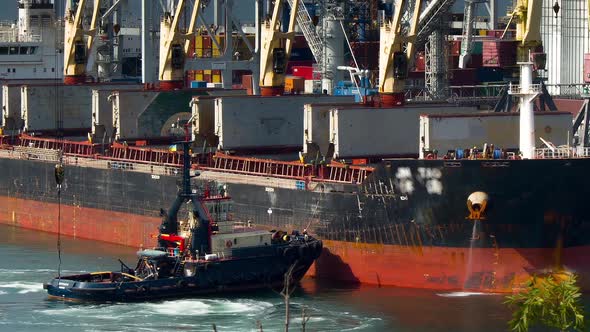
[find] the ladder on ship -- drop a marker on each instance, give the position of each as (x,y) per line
(306,25)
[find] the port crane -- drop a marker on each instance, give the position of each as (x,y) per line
(76,49)
(527,14)
(393,61)
(174,45)
(275,49)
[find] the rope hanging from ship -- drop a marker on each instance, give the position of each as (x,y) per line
(59,171)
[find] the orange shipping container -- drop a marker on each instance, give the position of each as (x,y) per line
(294,84)
(247,84)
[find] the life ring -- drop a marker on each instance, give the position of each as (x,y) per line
(228,244)
(430,156)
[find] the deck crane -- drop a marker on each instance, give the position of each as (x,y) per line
(275,49)
(393,62)
(528,32)
(76,49)
(174,46)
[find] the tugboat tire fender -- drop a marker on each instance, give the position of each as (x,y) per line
(181,284)
(142,289)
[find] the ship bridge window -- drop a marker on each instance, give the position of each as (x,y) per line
(24,50)
(13,50)
(3,50)
(32,50)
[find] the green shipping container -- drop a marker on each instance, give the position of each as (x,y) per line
(477,47)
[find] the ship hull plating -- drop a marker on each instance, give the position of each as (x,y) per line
(408,224)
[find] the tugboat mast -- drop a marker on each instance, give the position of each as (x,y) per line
(200,233)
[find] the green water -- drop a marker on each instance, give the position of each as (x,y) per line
(30,258)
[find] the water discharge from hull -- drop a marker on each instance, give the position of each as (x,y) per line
(472,242)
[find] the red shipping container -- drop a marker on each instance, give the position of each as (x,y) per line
(466,76)
(476,61)
(587,68)
(420,63)
(247,84)
(455,47)
(303,71)
(499,53)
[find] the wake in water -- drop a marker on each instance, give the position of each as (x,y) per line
(464,294)
(21,287)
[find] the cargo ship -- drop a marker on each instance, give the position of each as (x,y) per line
(464,220)
(483,223)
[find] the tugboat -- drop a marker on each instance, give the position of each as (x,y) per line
(199,256)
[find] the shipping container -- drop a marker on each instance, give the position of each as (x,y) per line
(467,76)
(294,85)
(247,84)
(216,76)
(420,63)
(455,47)
(303,71)
(499,53)
(198,84)
(199,75)
(587,68)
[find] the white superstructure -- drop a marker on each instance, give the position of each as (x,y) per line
(32,46)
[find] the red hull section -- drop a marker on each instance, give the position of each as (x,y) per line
(445,268)
(88,223)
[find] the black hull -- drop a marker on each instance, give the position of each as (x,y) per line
(534,206)
(205,277)
(530,201)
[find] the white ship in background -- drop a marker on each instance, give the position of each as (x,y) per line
(31,48)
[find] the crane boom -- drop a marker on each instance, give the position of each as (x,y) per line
(393,62)
(275,50)
(75,49)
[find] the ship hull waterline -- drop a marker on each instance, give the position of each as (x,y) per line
(523,232)
(441,268)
